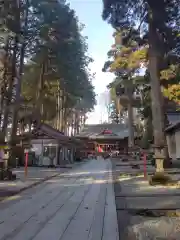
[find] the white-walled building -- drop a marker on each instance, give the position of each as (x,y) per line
(51,147)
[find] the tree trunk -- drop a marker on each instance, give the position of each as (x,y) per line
(65,126)
(39,105)
(63,114)
(58,109)
(19,77)
(156,99)
(8,101)
(4,81)
(130,116)
(61,105)
(130,124)
(75,123)
(84,119)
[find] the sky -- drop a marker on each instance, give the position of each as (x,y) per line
(99,41)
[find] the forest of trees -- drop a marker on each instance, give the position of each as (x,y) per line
(44,67)
(146,35)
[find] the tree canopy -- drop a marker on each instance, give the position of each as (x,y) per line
(127,15)
(131,53)
(49,56)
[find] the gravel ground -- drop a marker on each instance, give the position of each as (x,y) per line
(135,227)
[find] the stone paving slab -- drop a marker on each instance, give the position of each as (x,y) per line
(110,223)
(78,205)
(35,176)
(139,186)
(168,202)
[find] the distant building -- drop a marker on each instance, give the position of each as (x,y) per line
(106,136)
(173,135)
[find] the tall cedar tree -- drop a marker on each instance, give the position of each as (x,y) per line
(56,57)
(159,23)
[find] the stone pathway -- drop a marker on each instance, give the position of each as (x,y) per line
(35,175)
(77,205)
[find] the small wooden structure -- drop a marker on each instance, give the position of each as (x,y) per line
(50,147)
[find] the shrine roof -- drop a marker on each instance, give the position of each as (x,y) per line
(104,131)
(45,131)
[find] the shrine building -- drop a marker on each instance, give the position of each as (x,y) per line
(107,137)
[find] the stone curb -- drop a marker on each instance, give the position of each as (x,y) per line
(37,183)
(139,174)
